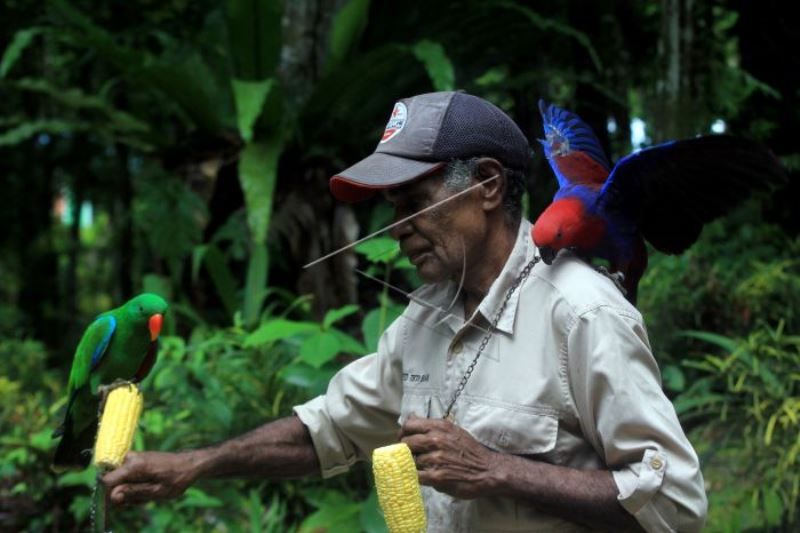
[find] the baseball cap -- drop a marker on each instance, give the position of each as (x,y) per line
(424,132)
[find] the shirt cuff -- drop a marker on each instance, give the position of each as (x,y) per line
(335,456)
(639,486)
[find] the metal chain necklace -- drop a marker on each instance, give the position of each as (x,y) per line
(448,414)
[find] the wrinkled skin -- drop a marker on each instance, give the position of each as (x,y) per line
(448,458)
(468,235)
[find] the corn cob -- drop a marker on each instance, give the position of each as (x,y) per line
(117,426)
(399,494)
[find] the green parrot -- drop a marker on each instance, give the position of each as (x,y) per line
(120,344)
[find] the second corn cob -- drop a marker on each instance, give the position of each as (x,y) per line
(398,489)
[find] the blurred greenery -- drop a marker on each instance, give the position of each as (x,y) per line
(184,148)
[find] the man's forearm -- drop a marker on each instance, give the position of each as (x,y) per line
(279,450)
(585,496)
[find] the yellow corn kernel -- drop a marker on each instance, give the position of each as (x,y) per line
(117,426)
(398,489)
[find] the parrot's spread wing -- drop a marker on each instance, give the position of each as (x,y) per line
(91,349)
(572,148)
(671,190)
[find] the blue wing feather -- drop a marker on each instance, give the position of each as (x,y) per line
(110,326)
(672,189)
(567,135)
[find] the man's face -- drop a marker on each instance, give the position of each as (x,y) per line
(439,242)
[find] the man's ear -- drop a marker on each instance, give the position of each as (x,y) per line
(491,173)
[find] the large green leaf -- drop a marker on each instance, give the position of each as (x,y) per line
(372,520)
(258,168)
(334,315)
(320,348)
(21,40)
(254,35)
(336,513)
(348,25)
(255,287)
(250,97)
(379,249)
(279,329)
(439,67)
(182,75)
(726,343)
(314,380)
(376,322)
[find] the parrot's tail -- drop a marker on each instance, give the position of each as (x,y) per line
(74,452)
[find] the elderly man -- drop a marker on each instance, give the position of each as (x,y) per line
(527,393)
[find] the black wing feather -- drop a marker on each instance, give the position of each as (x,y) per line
(671,190)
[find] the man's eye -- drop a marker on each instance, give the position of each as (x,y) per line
(416,204)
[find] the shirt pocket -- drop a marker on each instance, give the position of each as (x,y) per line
(513,430)
(414,404)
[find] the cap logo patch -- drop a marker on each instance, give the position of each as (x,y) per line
(396,122)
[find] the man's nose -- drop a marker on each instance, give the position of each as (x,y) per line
(402,229)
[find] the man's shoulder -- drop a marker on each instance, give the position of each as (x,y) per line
(580,286)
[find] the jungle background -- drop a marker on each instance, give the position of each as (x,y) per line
(184,148)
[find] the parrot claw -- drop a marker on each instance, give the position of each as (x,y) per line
(104,390)
(617,277)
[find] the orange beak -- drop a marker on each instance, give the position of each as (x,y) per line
(155,326)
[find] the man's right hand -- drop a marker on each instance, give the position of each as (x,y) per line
(151,476)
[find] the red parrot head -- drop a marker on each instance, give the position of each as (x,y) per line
(565,224)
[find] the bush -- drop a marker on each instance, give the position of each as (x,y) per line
(748,400)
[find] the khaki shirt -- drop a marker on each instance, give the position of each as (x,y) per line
(568,378)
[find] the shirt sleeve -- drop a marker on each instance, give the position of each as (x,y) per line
(360,408)
(623,411)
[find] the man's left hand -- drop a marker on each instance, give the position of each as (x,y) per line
(449,459)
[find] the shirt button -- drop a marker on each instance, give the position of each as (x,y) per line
(458,347)
(656,463)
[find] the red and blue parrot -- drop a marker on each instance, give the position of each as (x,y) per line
(663,194)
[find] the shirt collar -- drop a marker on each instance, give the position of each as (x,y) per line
(520,255)
(440,295)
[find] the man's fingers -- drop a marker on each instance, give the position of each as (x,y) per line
(416,424)
(137,493)
(133,469)
(421,443)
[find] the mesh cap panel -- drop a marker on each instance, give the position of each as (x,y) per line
(475,127)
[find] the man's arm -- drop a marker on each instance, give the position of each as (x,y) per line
(450,460)
(279,450)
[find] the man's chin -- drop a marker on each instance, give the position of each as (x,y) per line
(429,272)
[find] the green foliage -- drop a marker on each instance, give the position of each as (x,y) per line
(748,395)
(254,32)
(733,299)
(348,25)
(146,111)
(173,234)
(436,62)
(739,272)
(21,40)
